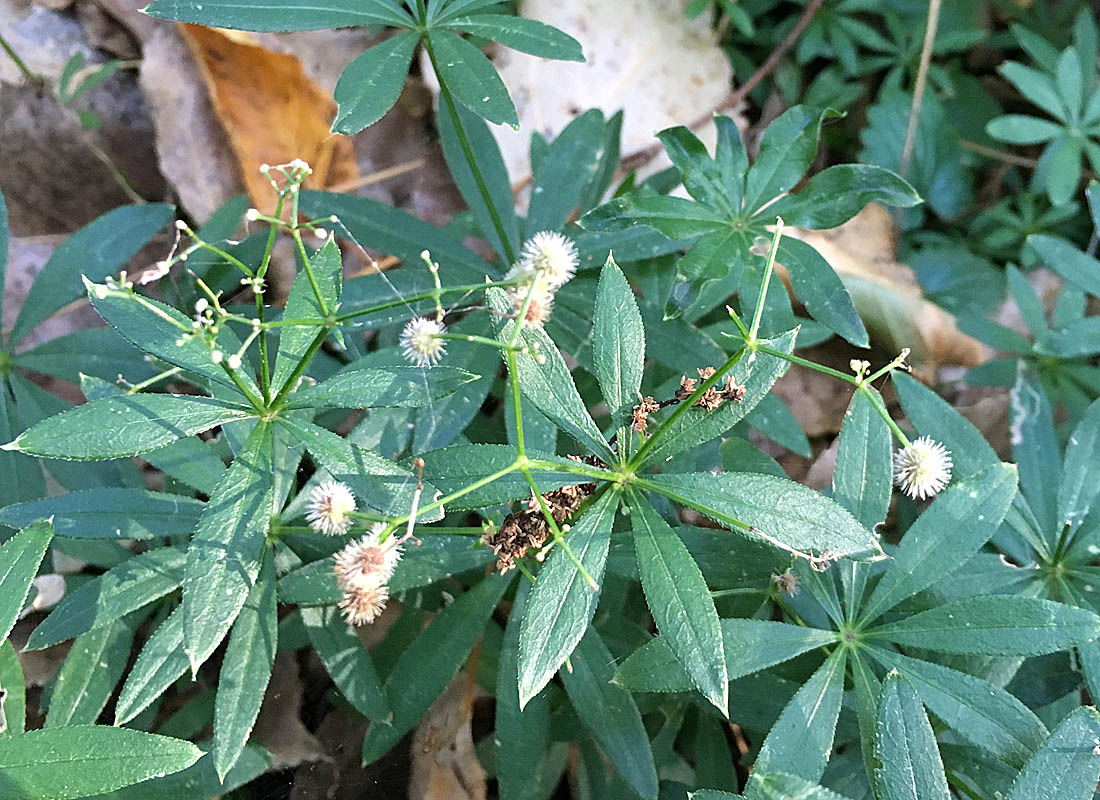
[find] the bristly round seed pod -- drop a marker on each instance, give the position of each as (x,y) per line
(330,506)
(362,604)
(420,342)
(363,569)
(548,255)
(367,557)
(922,468)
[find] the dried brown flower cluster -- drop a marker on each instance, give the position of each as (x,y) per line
(529,528)
(709,400)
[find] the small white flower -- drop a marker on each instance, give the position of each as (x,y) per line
(923,468)
(330,506)
(234,361)
(367,559)
(364,603)
(420,341)
(539,308)
(549,254)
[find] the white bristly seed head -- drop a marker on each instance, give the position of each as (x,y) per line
(923,468)
(330,506)
(550,255)
(420,342)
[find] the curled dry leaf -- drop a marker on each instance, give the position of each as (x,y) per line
(887,295)
(271,110)
(444,763)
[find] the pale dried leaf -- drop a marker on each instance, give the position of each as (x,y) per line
(444,763)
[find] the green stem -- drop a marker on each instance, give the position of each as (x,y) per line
(30,76)
(768,270)
(468,152)
(299,368)
(682,409)
(473,487)
(137,387)
(573,468)
(517,406)
(413,298)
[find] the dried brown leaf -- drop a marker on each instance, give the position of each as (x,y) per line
(271,110)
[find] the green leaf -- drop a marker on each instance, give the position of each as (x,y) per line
(785,513)
(13,698)
(995,625)
(109,514)
(274,15)
(781,786)
(521,735)
(346,661)
(77,761)
(20,557)
(549,385)
(697,425)
(246,670)
(835,195)
(92,351)
(120,427)
(302,303)
(520,33)
(398,233)
(3,254)
(562,174)
(25,477)
(984,713)
(200,780)
(787,149)
(1069,262)
(494,176)
(933,416)
(561,604)
(156,328)
(750,645)
(820,289)
(398,387)
(161,662)
(1080,483)
(1035,448)
(190,461)
(1022,129)
(1033,85)
(223,558)
(454,468)
(906,747)
(675,217)
(437,558)
(959,521)
(95,251)
(618,342)
(704,178)
(426,666)
(680,602)
(800,741)
(134,583)
(470,78)
(370,85)
(862,475)
(88,677)
(1066,766)
(609,712)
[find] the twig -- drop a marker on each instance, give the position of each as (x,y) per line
(918,94)
(378,176)
(640,157)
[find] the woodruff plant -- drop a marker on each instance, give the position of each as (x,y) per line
(558,558)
